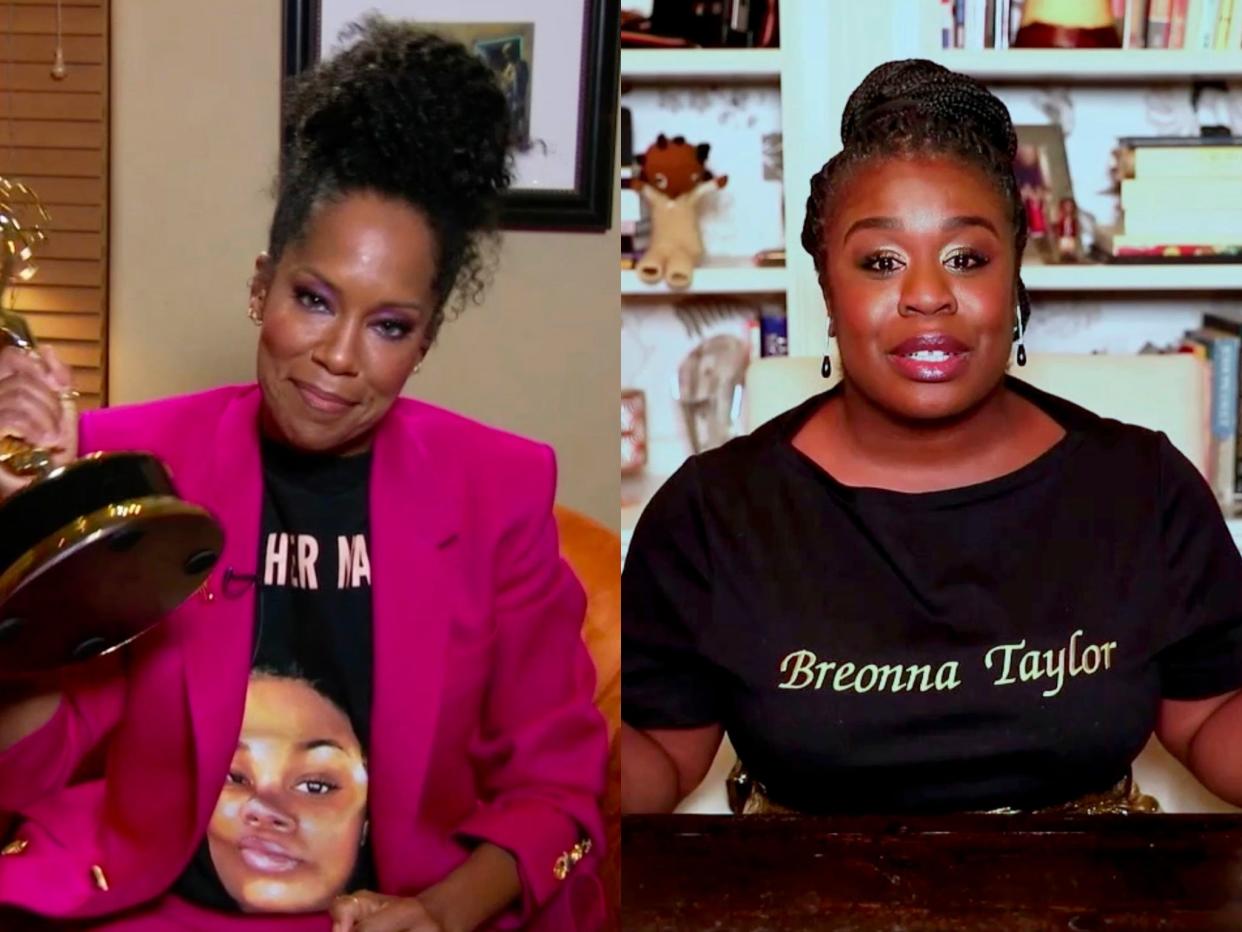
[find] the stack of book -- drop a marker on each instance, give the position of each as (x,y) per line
(1181,199)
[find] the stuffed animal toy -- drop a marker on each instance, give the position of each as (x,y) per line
(673,181)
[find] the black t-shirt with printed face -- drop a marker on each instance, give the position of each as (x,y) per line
(1002,644)
(290,829)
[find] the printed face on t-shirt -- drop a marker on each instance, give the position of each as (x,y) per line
(920,281)
(288,826)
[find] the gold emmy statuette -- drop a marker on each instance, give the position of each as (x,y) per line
(95,552)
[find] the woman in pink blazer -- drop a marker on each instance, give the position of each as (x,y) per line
(377,712)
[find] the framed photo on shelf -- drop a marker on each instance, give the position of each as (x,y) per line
(557,62)
(1042,171)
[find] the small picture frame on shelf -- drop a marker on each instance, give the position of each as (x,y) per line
(1042,172)
(633,431)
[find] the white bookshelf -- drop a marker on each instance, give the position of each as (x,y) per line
(1133,278)
(1107,66)
(712,280)
(724,66)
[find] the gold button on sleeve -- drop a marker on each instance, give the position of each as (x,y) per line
(571,857)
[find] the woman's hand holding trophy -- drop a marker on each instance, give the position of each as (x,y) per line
(93,551)
(38,416)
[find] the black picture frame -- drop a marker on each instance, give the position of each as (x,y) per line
(588,206)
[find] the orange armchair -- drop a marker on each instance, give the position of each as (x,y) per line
(594,553)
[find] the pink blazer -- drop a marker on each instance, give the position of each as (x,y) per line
(482,725)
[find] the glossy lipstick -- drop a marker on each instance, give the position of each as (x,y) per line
(930,357)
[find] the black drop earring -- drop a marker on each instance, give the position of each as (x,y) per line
(825,368)
(1021,344)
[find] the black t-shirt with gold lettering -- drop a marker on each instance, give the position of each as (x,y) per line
(290,829)
(1002,644)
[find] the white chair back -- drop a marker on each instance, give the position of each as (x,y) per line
(1161,392)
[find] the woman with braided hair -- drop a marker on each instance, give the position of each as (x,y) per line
(931,588)
(377,713)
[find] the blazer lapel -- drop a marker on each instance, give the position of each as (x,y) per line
(413,527)
(217,623)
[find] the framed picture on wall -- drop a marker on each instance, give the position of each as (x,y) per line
(557,62)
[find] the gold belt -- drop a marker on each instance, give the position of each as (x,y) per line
(747,796)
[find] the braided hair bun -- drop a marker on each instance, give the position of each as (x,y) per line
(934,92)
(409,115)
(913,108)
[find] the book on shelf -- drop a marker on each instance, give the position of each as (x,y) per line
(1220,348)
(942,23)
(1194,161)
(1159,24)
(1185,158)
(1228,33)
(1001,19)
(1183,225)
(1176,142)
(1173,253)
(1111,245)
(1198,25)
(1216,323)
(1134,26)
(1188,194)
(1177,24)
(975,25)
(1180,157)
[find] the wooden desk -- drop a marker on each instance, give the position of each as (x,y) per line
(959,873)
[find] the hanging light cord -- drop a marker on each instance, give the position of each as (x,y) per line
(58,62)
(9,55)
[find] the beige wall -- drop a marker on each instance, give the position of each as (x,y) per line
(194,144)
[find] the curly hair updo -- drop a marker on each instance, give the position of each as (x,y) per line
(912,108)
(408,115)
